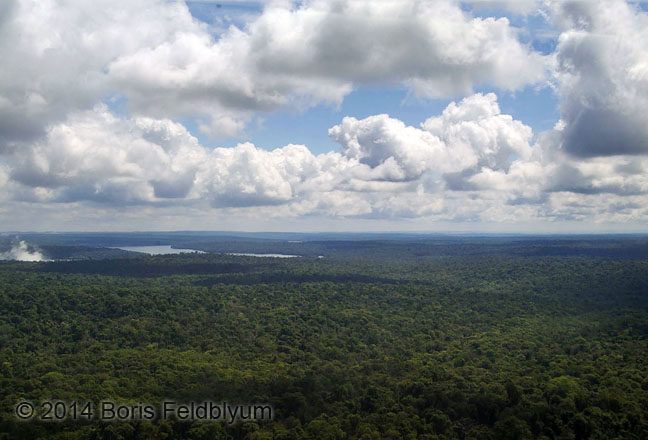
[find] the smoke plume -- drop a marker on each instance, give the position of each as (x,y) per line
(21,252)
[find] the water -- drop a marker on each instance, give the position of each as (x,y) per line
(166,249)
(243,254)
(156,250)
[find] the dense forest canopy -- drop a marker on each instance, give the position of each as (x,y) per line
(392,337)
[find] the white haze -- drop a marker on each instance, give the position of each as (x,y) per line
(19,251)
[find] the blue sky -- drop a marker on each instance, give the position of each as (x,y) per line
(502,115)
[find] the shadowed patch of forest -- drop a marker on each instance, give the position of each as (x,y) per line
(147,267)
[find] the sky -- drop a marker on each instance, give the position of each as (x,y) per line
(349,115)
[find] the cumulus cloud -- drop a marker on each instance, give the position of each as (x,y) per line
(247,176)
(95,155)
(602,73)
(368,41)
(389,149)
(476,128)
(465,138)
(61,59)
(55,56)
(60,145)
(594,161)
(470,163)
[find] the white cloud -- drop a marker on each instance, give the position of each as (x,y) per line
(55,55)
(434,47)
(466,137)
(60,145)
(469,164)
(247,176)
(390,149)
(475,127)
(95,155)
(601,64)
(64,58)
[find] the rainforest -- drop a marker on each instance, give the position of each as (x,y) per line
(359,337)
